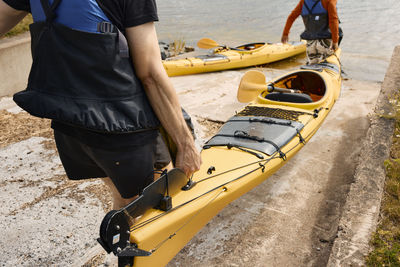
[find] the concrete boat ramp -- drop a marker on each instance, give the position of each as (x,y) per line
(317,210)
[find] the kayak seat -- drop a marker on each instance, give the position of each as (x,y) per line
(289,97)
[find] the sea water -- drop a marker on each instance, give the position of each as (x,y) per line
(371,28)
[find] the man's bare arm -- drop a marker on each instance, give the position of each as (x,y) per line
(9,17)
(146,57)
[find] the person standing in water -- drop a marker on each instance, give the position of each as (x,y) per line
(322,31)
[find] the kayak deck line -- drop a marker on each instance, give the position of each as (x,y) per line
(230,145)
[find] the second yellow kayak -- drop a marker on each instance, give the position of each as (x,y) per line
(224,58)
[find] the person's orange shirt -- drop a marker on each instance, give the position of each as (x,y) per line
(329,5)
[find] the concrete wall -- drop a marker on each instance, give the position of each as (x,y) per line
(361,212)
(15,63)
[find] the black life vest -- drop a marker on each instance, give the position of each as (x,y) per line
(316,21)
(84,79)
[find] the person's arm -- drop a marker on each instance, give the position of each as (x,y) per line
(289,22)
(333,22)
(146,58)
(9,17)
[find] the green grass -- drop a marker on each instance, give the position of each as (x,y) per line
(386,240)
(21,27)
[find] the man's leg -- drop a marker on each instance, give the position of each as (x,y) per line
(323,48)
(312,53)
(318,50)
(81,161)
(118,201)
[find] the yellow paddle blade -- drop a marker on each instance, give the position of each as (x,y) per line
(251,85)
(207,43)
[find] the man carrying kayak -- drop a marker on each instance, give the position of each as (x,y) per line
(322,31)
(97,74)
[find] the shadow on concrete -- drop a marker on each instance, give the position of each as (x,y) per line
(335,192)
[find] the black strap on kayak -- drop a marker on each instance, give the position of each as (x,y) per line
(229,146)
(270,121)
(286,123)
(301,139)
(245,135)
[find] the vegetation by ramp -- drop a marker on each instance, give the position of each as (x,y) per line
(386,240)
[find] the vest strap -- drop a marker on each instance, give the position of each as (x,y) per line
(312,8)
(49,9)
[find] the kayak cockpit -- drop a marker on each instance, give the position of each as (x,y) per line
(310,85)
(251,46)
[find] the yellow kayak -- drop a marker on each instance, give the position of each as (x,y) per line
(224,58)
(280,119)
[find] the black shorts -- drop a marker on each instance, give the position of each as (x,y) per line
(131,168)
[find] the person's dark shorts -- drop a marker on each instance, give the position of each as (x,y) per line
(131,168)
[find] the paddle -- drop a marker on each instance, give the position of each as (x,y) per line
(207,43)
(253,83)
